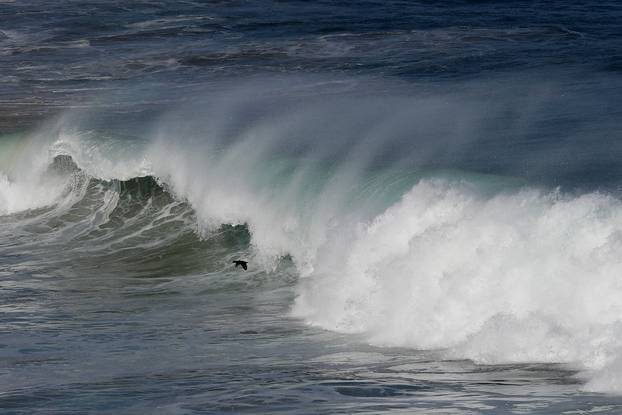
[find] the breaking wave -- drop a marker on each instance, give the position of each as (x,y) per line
(483,267)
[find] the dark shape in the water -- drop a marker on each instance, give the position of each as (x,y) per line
(242,263)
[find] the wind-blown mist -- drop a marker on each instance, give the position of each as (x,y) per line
(419,218)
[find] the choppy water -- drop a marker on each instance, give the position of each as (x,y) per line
(428,195)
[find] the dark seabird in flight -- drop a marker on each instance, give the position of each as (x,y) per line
(242,263)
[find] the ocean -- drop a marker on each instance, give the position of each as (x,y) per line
(428,195)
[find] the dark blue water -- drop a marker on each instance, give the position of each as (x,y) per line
(59,54)
(117,295)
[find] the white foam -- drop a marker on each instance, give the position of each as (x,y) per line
(520,277)
(23,195)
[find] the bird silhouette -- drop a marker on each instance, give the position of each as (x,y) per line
(241,263)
